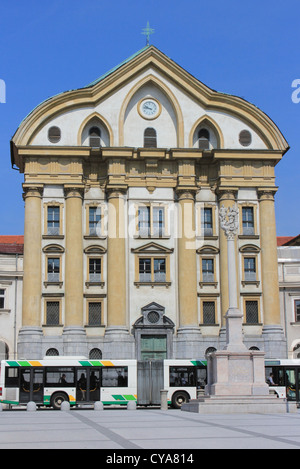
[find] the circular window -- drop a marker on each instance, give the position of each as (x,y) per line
(153,317)
(54,134)
(245,138)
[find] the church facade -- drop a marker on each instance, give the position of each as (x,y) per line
(123,182)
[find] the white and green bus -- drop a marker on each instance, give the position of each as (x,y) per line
(79,380)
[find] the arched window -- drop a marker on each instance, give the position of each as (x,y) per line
(150,138)
(94,136)
(52,352)
(95,353)
(210,350)
(203,139)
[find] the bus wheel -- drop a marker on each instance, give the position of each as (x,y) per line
(57,399)
(179,398)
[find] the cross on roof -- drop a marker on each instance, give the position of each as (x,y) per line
(147,31)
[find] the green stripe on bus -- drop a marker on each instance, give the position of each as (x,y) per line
(24,363)
(85,363)
(118,397)
(199,362)
(96,363)
(129,397)
(12,363)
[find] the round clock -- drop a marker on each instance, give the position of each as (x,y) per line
(149,108)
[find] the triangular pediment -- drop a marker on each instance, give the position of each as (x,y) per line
(152,248)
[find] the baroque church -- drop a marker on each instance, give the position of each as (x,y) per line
(124,256)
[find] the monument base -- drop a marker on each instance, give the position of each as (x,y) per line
(240,405)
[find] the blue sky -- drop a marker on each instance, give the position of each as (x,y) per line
(249,49)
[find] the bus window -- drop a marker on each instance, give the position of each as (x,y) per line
(290,384)
(182,376)
(11,377)
(115,376)
(201,378)
(59,376)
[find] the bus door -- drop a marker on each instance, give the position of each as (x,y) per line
(31,385)
(88,384)
(292,378)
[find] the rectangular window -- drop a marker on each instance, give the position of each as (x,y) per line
(94,221)
(59,376)
(52,313)
(53,220)
(151,221)
(181,376)
(297,310)
(250,269)
(95,270)
(208,270)
(94,318)
(115,376)
(251,312)
(248,220)
(158,221)
(208,312)
(152,270)
(11,377)
(2,297)
(144,221)
(159,270)
(206,221)
(53,269)
(145,270)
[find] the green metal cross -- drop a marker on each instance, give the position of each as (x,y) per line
(147,31)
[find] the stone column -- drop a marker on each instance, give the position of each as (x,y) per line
(272,330)
(74,334)
(118,342)
(226,199)
(30,335)
(189,329)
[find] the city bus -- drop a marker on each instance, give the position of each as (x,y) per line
(78,380)
(285,377)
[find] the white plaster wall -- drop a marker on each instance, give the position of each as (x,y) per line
(166,125)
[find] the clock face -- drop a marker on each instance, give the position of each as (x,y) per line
(149,109)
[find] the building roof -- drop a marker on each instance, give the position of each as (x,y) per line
(288,240)
(11,244)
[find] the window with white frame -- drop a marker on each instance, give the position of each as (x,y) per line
(95,270)
(53,220)
(2,298)
(206,221)
(248,220)
(94,221)
(152,270)
(151,221)
(250,269)
(297,310)
(208,274)
(53,269)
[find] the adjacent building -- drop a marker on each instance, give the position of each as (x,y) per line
(289,287)
(123,182)
(11,280)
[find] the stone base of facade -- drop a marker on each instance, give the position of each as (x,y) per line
(118,343)
(240,405)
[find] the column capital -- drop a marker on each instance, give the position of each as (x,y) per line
(73,191)
(116,192)
(184,193)
(266,194)
(229,194)
(33,191)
